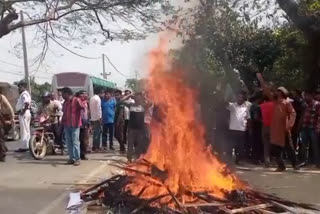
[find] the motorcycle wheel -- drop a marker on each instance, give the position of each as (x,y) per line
(37,150)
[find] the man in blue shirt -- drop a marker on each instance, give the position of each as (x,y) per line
(108,106)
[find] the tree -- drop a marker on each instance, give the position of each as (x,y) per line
(135,84)
(306,17)
(37,90)
(82,18)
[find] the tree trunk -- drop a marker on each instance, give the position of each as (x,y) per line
(313,65)
(310,26)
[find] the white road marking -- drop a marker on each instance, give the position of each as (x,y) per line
(55,203)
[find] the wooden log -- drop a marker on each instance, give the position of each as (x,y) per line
(250,208)
(100,184)
(270,212)
(292,209)
(203,204)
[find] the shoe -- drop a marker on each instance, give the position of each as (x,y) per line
(303,164)
(111,148)
(266,165)
(70,162)
(280,169)
(21,150)
(76,163)
(3,159)
(84,158)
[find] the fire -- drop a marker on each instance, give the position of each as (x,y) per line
(178,159)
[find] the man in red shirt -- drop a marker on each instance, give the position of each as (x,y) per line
(72,122)
(267,112)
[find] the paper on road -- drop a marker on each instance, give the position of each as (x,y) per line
(75,205)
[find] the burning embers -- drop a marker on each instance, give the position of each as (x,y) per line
(178,173)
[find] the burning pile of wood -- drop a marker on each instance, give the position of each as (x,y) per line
(179,173)
(112,193)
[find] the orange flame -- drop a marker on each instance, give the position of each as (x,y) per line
(178,146)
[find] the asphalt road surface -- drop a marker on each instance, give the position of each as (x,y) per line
(28,186)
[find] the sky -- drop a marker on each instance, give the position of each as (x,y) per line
(128,57)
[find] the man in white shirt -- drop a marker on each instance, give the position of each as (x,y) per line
(23,108)
(96,115)
(239,116)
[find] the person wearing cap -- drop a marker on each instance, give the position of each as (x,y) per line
(283,119)
(23,108)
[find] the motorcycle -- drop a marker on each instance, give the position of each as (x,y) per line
(43,140)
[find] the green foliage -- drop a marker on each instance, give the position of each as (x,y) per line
(135,85)
(37,90)
(223,41)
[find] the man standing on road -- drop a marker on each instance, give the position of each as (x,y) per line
(239,116)
(119,121)
(136,141)
(71,121)
(310,140)
(126,115)
(108,105)
(96,116)
(23,109)
(84,129)
(283,119)
(6,121)
(267,113)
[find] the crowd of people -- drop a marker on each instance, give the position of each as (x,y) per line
(272,124)
(71,117)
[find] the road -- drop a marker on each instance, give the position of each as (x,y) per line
(41,187)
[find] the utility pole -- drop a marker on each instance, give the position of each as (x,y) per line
(25,55)
(136,74)
(104,74)
(103,68)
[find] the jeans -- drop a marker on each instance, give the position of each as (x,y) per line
(73,143)
(310,141)
(96,125)
(107,128)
